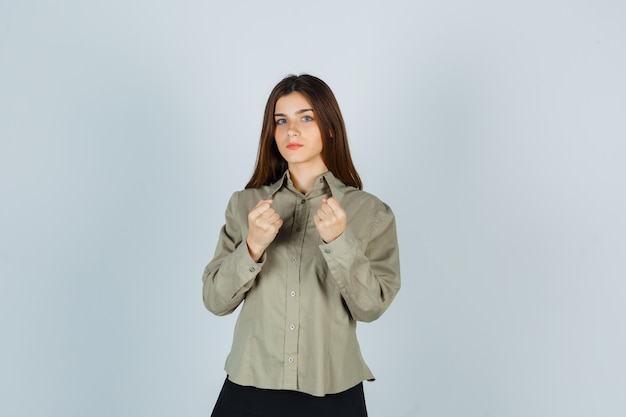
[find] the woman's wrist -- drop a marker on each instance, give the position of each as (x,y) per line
(255,252)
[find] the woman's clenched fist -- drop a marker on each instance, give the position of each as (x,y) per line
(330,220)
(263,226)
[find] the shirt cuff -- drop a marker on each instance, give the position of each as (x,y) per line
(246,268)
(343,244)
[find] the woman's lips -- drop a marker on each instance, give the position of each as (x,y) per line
(294,145)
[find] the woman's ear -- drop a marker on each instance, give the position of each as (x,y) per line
(331,134)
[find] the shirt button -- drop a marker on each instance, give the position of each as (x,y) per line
(303,201)
(292,327)
(294,259)
(290,359)
(327,250)
(293,293)
(251,269)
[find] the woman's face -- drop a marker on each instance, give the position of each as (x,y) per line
(297,133)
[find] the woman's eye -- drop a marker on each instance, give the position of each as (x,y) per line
(280,121)
(307,118)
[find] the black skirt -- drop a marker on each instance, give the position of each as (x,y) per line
(241,401)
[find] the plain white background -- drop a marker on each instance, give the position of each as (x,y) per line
(495,130)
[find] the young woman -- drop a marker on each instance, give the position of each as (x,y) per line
(309,254)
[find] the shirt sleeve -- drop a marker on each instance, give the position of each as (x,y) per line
(232,271)
(368,279)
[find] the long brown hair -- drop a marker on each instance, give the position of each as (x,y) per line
(270,165)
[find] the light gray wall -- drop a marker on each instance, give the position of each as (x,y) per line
(496,130)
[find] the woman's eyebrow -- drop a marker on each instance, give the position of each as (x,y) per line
(298,112)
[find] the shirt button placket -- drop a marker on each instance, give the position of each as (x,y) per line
(292,318)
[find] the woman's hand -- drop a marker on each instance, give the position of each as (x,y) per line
(330,220)
(263,226)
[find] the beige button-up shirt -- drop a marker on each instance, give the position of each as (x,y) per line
(297,327)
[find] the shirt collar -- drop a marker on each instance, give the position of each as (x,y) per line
(337,188)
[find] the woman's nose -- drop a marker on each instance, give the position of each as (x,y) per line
(292,130)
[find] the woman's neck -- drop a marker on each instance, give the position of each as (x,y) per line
(303,178)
